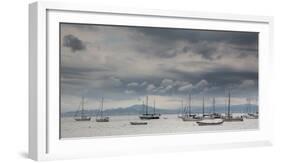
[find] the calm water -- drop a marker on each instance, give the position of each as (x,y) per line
(120,125)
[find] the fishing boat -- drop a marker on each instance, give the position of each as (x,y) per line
(207,122)
(100,116)
(138,123)
(147,115)
(82,116)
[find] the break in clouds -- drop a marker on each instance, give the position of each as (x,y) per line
(124,64)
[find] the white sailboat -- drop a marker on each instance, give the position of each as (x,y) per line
(209,119)
(188,116)
(83,116)
(214,114)
(206,122)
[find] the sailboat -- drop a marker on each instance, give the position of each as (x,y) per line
(214,114)
(229,117)
(100,117)
(147,115)
(189,116)
(83,116)
(254,114)
(206,122)
(203,110)
(250,113)
(209,119)
(181,111)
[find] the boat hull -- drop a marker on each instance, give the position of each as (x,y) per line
(138,123)
(105,119)
(82,119)
(188,119)
(150,116)
(237,119)
(210,123)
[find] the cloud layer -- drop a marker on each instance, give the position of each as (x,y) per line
(124,64)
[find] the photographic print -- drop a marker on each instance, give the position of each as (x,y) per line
(129,80)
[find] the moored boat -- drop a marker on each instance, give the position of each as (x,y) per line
(229,117)
(207,122)
(138,123)
(83,116)
(190,118)
(233,119)
(148,116)
(100,117)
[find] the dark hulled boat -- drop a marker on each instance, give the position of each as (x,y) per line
(229,117)
(100,117)
(138,123)
(148,116)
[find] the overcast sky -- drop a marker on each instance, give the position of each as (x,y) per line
(124,64)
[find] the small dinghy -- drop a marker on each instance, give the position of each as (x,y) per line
(206,122)
(138,123)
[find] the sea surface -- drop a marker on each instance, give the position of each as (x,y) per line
(167,124)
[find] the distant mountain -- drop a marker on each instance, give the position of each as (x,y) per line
(138,109)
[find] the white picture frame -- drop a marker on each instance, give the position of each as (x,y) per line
(44,142)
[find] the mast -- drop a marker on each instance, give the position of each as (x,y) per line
(189,104)
(154,106)
(203,110)
(102,107)
(250,108)
(248,103)
(225,108)
(146,111)
(214,105)
(143,107)
(82,109)
(228,110)
(257,105)
(183,110)
(245,109)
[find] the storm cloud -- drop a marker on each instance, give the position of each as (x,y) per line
(74,43)
(124,64)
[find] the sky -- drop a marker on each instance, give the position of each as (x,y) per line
(124,64)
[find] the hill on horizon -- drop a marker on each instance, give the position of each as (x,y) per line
(138,109)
